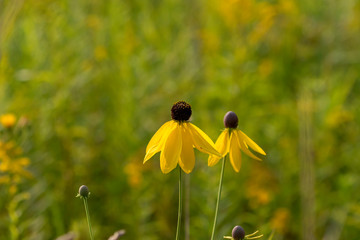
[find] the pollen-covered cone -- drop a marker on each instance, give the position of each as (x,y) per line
(232,140)
(176,141)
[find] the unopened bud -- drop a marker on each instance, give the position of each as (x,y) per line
(238,233)
(231,120)
(84,191)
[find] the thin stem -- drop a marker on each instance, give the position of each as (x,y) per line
(88,217)
(218,198)
(179,208)
(187,207)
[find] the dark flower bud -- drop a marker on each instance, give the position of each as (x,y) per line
(84,191)
(231,120)
(238,232)
(181,111)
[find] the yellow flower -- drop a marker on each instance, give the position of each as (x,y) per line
(231,141)
(8,120)
(280,220)
(176,140)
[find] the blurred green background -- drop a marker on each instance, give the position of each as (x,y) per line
(89,82)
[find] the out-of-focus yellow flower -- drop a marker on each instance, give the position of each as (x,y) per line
(8,120)
(12,165)
(13,189)
(280,220)
(100,53)
(4,179)
(288,7)
(133,173)
(266,67)
(260,186)
(93,21)
(231,141)
(236,12)
(259,195)
(176,140)
(266,21)
(338,116)
(210,40)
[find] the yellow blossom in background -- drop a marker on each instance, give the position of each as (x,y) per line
(134,173)
(261,186)
(267,13)
(176,140)
(265,68)
(12,165)
(280,220)
(93,22)
(235,12)
(233,141)
(8,120)
(338,116)
(210,40)
(100,53)
(4,179)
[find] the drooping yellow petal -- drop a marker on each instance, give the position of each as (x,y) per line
(201,141)
(235,153)
(243,146)
(251,143)
(158,135)
(222,146)
(187,156)
(158,140)
(170,153)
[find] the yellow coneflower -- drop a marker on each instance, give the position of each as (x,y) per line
(233,141)
(176,140)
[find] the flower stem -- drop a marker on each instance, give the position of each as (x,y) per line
(218,198)
(179,208)
(88,217)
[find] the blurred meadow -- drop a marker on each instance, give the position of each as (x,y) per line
(85,84)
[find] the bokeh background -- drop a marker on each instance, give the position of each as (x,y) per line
(85,84)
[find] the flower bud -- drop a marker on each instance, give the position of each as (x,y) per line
(84,191)
(238,233)
(231,120)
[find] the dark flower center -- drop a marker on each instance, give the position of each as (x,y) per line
(231,120)
(181,111)
(238,233)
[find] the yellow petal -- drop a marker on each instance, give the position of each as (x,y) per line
(243,146)
(201,141)
(158,135)
(187,157)
(170,153)
(222,146)
(251,143)
(235,154)
(158,140)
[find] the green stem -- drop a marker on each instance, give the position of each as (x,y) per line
(179,208)
(88,217)
(218,198)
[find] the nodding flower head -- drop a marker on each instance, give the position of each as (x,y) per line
(231,120)
(84,191)
(176,140)
(238,233)
(181,111)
